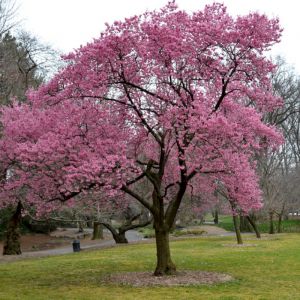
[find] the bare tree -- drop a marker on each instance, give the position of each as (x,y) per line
(277,168)
(8,16)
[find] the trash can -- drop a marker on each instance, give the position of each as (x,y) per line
(76,246)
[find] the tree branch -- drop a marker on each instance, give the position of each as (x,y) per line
(138,198)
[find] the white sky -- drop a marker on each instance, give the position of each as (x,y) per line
(67,24)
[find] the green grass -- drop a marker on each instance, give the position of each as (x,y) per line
(194,230)
(288,226)
(147,232)
(268,270)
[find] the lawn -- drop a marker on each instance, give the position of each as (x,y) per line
(270,269)
(287,225)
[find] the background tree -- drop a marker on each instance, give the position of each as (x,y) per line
(24,63)
(8,16)
(103,211)
(277,168)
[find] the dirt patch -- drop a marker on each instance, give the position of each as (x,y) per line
(205,230)
(182,278)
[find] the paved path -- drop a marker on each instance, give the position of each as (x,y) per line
(132,236)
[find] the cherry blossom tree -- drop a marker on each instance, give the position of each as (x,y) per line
(166,97)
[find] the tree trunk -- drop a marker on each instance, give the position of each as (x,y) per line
(216,217)
(80,227)
(253,224)
(12,244)
(164,265)
(237,229)
(97,231)
(120,238)
(118,234)
(90,223)
(279,228)
(271,229)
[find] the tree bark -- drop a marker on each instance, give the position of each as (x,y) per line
(118,235)
(279,228)
(237,229)
(12,244)
(271,229)
(164,265)
(97,231)
(253,224)
(80,227)
(120,238)
(216,217)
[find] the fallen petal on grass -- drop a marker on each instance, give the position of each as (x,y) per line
(182,278)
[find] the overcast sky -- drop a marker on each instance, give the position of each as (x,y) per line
(67,24)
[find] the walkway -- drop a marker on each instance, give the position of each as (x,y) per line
(132,236)
(86,244)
